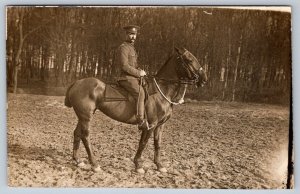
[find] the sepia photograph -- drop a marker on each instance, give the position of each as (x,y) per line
(168,97)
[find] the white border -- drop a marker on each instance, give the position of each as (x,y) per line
(296,87)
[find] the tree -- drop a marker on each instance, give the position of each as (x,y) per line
(20,16)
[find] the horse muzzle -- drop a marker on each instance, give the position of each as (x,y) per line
(201,83)
(202,78)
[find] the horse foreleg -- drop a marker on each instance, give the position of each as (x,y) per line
(142,144)
(86,142)
(157,142)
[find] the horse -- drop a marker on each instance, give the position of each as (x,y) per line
(87,95)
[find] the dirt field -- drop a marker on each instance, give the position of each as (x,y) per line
(205,145)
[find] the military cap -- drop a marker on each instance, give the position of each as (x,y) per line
(131,29)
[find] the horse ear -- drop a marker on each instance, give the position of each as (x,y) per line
(179,50)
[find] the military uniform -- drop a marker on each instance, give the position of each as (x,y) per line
(127,62)
(128,75)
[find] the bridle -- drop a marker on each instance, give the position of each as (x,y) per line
(192,79)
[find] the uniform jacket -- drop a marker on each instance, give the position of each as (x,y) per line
(126,61)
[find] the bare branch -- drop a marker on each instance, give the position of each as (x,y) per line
(37,28)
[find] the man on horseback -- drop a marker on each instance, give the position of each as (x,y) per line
(129,74)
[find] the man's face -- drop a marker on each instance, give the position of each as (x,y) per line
(130,37)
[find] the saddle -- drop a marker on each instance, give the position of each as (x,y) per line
(114,92)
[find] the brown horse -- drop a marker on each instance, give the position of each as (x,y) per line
(87,95)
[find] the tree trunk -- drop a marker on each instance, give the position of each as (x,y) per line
(227,71)
(9,66)
(18,55)
(17,63)
(236,69)
(72,63)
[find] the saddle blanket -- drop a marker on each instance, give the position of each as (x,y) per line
(114,92)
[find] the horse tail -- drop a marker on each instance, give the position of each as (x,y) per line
(67,100)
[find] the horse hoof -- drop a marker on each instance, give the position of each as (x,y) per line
(80,164)
(140,171)
(96,169)
(163,170)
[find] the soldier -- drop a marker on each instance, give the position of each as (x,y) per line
(130,73)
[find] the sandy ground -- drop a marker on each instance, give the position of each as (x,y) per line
(205,145)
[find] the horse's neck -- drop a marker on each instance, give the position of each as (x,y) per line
(169,80)
(180,93)
(173,91)
(168,71)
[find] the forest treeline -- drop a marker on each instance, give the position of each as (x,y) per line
(246,53)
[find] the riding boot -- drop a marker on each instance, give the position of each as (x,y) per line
(142,122)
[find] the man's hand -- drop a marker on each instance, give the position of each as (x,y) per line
(142,73)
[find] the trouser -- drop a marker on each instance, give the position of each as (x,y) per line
(137,91)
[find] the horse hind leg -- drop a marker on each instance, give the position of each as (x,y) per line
(76,144)
(84,103)
(82,133)
(86,142)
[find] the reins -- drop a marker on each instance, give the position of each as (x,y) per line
(181,100)
(176,81)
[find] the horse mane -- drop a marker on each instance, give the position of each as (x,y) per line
(167,61)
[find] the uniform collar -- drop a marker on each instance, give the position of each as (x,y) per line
(128,43)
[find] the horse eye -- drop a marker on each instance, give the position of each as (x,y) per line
(190,60)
